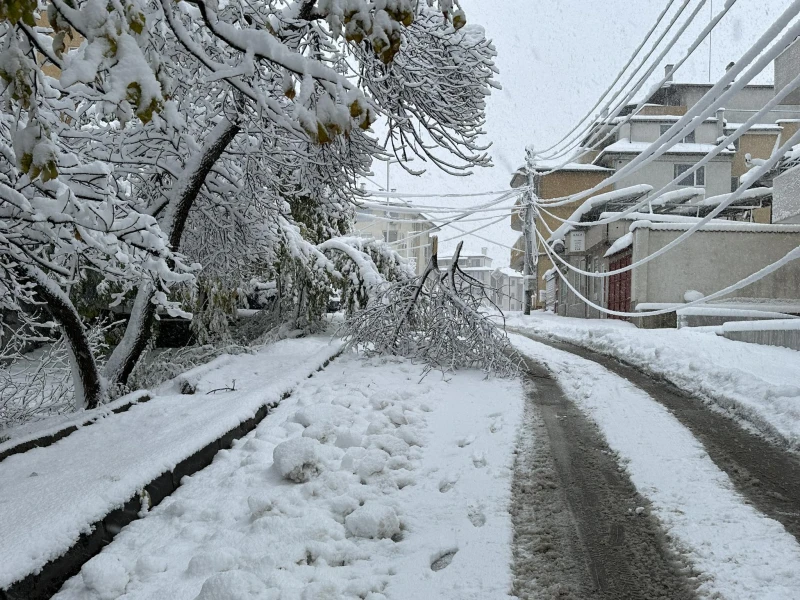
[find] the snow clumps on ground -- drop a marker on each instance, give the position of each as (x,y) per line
(366,484)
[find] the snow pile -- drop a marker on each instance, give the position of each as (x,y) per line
(298,459)
(759,385)
(742,554)
(106,577)
(234,585)
(373,521)
(101,466)
(409,473)
(693,296)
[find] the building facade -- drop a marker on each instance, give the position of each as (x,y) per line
(399,225)
(571,179)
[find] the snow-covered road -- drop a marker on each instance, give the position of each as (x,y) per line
(758,385)
(407,497)
(740,553)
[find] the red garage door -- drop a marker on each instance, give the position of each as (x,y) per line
(619,285)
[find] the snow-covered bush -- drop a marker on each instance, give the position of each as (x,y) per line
(38,383)
(158,365)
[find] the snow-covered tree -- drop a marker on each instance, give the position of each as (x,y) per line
(61,215)
(210,128)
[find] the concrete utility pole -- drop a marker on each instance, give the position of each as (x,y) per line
(530,268)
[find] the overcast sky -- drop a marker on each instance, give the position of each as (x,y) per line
(555,58)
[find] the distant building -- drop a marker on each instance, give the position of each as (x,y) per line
(401,226)
(508,289)
(503,286)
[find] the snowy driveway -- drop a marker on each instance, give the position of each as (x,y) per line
(410,499)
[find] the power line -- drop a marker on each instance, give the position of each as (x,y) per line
(706,31)
(644,77)
(757,173)
(726,87)
(641,81)
(793,254)
(638,49)
(674,184)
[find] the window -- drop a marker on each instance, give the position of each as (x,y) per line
(696,178)
(734,183)
(689,139)
(390,236)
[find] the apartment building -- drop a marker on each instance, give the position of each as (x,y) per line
(758,229)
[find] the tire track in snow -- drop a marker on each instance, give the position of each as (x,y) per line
(742,554)
(768,476)
(578,534)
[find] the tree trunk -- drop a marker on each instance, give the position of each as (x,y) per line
(137,333)
(89,386)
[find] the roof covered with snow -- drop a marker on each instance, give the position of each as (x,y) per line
(625,146)
(594,206)
(718,225)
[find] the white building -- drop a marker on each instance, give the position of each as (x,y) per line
(503,285)
(507,284)
(401,226)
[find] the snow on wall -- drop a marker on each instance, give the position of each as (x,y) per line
(620,244)
(771,325)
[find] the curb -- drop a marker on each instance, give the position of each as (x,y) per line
(48,581)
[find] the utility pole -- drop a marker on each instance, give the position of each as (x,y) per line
(530,267)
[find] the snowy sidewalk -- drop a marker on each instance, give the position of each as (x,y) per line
(759,385)
(406,498)
(741,554)
(50,496)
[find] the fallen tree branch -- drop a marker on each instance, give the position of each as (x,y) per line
(440,318)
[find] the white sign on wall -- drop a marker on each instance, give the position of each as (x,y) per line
(577,241)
